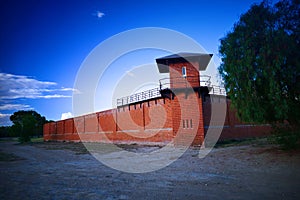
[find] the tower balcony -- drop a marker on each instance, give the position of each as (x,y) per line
(166,84)
(188,81)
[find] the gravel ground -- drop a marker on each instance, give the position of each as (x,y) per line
(67,171)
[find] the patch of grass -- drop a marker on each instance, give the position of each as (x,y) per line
(84,148)
(5,157)
(241,142)
(39,139)
(287,137)
(9,139)
(78,148)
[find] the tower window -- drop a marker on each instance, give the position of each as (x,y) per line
(183,69)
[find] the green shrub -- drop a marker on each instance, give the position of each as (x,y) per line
(286,136)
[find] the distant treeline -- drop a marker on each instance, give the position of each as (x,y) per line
(26,124)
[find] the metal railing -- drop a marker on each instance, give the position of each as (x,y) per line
(205,81)
(141,96)
(217,90)
(165,84)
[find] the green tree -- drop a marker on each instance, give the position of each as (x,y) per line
(4,131)
(260,63)
(27,124)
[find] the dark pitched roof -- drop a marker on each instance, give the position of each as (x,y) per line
(202,58)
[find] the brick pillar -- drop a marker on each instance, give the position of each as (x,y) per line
(187,115)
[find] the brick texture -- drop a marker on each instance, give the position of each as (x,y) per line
(182,118)
(233,128)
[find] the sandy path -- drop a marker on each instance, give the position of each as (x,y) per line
(240,172)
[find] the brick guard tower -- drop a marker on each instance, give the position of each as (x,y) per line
(185,91)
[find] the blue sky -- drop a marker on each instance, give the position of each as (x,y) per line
(44,42)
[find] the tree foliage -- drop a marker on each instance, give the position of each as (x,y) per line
(27,124)
(4,131)
(260,63)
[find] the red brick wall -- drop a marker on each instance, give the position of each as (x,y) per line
(149,121)
(79,124)
(130,118)
(91,123)
(46,131)
(233,127)
(53,130)
(157,114)
(69,126)
(158,120)
(106,120)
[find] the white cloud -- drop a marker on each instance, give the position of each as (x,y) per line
(18,86)
(66,115)
(4,115)
(15,90)
(99,14)
(54,96)
(4,120)
(15,107)
(67,89)
(75,91)
(129,73)
(23,80)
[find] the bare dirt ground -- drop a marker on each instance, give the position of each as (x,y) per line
(67,171)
